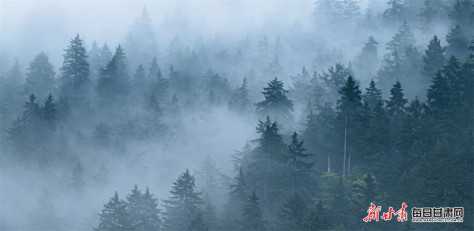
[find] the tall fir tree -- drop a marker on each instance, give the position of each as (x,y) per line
(114,80)
(433,59)
(276,103)
(74,79)
(252,216)
(458,43)
(114,215)
(182,205)
(40,78)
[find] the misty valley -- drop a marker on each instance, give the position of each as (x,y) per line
(236,115)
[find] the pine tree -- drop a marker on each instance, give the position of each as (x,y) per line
(276,103)
(458,43)
(252,217)
(114,215)
(74,76)
(336,76)
(317,219)
(198,223)
(240,97)
(183,205)
(396,103)
(395,12)
(77,179)
(462,14)
(366,62)
(300,164)
(292,213)
(113,83)
(159,85)
(432,11)
(11,93)
(433,59)
(349,121)
(235,204)
(403,39)
(372,95)
(142,210)
(40,77)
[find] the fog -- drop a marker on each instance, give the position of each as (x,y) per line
(58,172)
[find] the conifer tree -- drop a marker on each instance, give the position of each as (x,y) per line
(366,63)
(252,217)
(461,14)
(395,12)
(276,103)
(336,75)
(372,95)
(433,59)
(300,164)
(142,210)
(74,76)
(240,97)
(113,83)
(77,179)
(40,77)
(183,204)
(114,215)
(292,213)
(458,43)
(198,223)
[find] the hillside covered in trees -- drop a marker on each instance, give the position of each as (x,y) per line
(279,126)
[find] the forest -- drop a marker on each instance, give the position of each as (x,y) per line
(293,116)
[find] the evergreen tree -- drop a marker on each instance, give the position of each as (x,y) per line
(159,85)
(317,218)
(462,14)
(458,43)
(113,83)
(40,77)
(396,103)
(292,213)
(276,103)
(432,11)
(402,39)
(252,217)
(198,223)
(142,210)
(349,121)
(235,204)
(395,12)
(77,179)
(336,76)
(300,165)
(366,62)
(11,93)
(74,76)
(44,215)
(140,43)
(433,59)
(114,215)
(240,97)
(183,204)
(372,95)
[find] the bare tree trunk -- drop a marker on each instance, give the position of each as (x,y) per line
(345,144)
(329,163)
